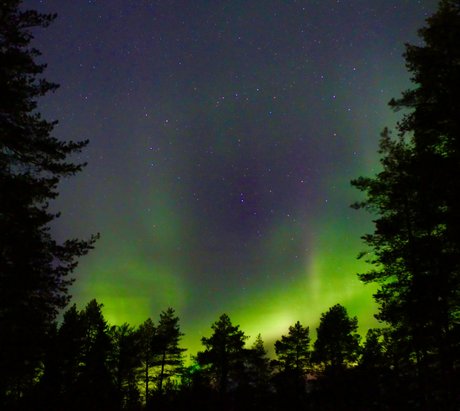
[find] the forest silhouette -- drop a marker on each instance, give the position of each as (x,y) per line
(411,362)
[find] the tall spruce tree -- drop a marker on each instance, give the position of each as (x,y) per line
(415,247)
(337,342)
(258,365)
(63,362)
(124,364)
(167,355)
(95,388)
(224,354)
(293,350)
(293,353)
(34,268)
(146,336)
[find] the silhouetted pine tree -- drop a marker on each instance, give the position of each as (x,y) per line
(62,365)
(253,388)
(34,268)
(337,342)
(372,351)
(224,354)
(258,365)
(415,247)
(373,372)
(293,350)
(124,363)
(146,334)
(336,351)
(167,355)
(293,363)
(95,387)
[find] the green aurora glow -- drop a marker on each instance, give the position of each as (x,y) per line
(223,142)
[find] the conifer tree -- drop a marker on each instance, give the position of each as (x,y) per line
(95,385)
(258,365)
(34,268)
(224,354)
(293,350)
(167,355)
(415,247)
(76,368)
(146,336)
(372,352)
(61,362)
(124,363)
(293,362)
(337,342)
(65,358)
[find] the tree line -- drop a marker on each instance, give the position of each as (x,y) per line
(90,364)
(411,362)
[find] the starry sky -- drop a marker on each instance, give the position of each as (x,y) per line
(223,138)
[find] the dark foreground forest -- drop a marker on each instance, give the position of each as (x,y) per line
(412,362)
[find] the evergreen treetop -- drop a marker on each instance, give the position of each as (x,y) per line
(34,268)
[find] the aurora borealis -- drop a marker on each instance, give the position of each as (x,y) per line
(223,138)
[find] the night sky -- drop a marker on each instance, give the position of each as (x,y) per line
(223,138)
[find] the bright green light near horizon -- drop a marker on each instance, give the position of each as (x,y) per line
(328,277)
(138,277)
(135,285)
(324,282)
